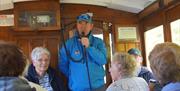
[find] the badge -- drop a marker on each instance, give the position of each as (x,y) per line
(77,52)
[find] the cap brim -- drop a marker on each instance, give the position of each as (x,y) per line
(89,21)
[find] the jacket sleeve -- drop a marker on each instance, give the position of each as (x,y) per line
(63,64)
(98,54)
(146,74)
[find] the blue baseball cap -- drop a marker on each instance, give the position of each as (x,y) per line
(134,51)
(84,17)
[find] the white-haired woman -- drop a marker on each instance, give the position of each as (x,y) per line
(122,72)
(41,73)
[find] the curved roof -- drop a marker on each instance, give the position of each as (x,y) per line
(134,6)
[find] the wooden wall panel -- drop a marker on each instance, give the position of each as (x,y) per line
(120,47)
(130,45)
(153,21)
(35,42)
(173,13)
(25,45)
(124,47)
(53,46)
(29,40)
(6,34)
(69,12)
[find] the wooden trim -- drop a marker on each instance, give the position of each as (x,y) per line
(9,11)
(167,30)
(157,6)
(148,10)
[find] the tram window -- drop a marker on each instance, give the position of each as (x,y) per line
(153,37)
(175,31)
(99,36)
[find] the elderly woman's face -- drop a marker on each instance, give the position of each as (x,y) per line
(42,64)
(114,70)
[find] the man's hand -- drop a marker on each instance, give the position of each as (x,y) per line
(85,41)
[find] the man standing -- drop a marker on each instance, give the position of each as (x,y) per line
(82,57)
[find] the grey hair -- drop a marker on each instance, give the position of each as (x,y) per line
(127,62)
(165,62)
(37,52)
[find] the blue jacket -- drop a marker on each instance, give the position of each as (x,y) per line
(76,72)
(147,75)
(54,79)
(172,87)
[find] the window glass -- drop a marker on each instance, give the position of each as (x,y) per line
(153,37)
(175,31)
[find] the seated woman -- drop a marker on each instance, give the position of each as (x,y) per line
(12,65)
(122,72)
(165,64)
(41,73)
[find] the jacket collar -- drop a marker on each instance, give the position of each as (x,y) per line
(78,36)
(32,72)
(143,70)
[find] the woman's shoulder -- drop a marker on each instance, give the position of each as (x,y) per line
(172,87)
(139,79)
(128,83)
(15,84)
